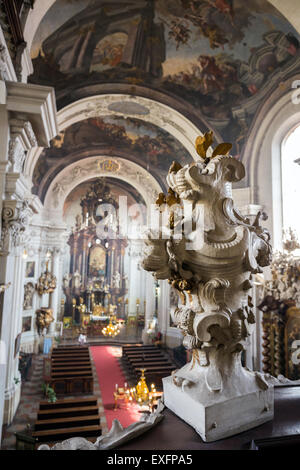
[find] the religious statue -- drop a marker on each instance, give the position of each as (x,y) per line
(28,296)
(66,280)
(116,280)
(76,280)
(211,262)
(44,318)
(78,222)
(81,307)
(47,282)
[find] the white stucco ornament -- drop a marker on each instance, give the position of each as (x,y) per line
(213,392)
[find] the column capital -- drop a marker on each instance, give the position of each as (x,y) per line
(16,216)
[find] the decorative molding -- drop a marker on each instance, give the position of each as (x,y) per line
(105,105)
(26,65)
(38,104)
(3,63)
(91,167)
(22,139)
(16,216)
(7,70)
(155,112)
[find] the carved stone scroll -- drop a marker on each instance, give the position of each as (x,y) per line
(213,393)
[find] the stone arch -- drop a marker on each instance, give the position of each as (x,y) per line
(124,105)
(84,170)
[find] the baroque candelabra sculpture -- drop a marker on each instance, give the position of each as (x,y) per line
(214,393)
(47,282)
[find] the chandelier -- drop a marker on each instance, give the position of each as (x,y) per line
(141,392)
(112,329)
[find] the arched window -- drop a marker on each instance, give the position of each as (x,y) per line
(290,181)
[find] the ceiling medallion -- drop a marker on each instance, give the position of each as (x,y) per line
(109,165)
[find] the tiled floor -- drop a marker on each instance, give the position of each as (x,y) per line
(29,403)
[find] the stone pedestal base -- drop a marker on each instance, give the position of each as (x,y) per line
(219,417)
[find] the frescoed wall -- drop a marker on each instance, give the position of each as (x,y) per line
(222,57)
(144,143)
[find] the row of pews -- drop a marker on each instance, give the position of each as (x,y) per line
(69,371)
(67,418)
(154,360)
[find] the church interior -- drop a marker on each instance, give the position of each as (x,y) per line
(118,117)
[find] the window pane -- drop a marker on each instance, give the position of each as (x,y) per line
(291,182)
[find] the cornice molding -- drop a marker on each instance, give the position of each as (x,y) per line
(38,104)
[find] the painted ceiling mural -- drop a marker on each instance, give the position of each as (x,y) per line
(138,141)
(222,58)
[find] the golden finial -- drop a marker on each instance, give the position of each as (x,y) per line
(203,143)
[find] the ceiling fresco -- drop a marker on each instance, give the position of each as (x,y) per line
(220,59)
(138,141)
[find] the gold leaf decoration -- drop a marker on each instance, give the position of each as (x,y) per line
(175,167)
(203,143)
(222,149)
(172,198)
(161,199)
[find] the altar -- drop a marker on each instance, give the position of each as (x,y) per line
(96,279)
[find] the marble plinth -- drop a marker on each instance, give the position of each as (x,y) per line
(222,416)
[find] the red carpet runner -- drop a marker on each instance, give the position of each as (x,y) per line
(109,373)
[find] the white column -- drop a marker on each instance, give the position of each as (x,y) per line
(134,290)
(12,389)
(150,305)
(17,138)
(54,300)
(164,307)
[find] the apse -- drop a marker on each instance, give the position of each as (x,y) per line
(101,267)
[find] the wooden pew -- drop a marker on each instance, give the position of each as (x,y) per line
(143,353)
(155,361)
(68,368)
(55,435)
(67,418)
(71,371)
(69,403)
(133,356)
(147,365)
(73,355)
(70,363)
(140,348)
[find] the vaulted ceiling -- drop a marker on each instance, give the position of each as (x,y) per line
(214,61)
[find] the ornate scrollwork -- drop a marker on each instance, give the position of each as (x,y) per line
(16,216)
(22,139)
(214,280)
